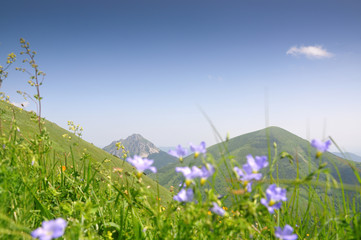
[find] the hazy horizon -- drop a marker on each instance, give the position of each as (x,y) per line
(120,67)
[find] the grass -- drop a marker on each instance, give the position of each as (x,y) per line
(44,175)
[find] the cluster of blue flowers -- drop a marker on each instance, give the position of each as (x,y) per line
(181,152)
(250,172)
(186,194)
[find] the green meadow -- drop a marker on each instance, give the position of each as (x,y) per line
(297,191)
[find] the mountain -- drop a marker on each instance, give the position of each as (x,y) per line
(138,145)
(256,143)
(61,146)
(349,156)
(167,149)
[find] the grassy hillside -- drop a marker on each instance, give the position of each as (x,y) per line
(67,152)
(258,143)
(77,187)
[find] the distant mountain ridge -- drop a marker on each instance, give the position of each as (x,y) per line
(136,144)
(349,156)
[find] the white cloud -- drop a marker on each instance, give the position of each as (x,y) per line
(21,105)
(317,52)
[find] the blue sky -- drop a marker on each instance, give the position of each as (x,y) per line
(123,67)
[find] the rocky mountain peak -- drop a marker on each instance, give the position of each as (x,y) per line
(136,144)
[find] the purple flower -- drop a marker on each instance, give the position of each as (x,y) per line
(274,196)
(250,170)
(286,233)
(184,195)
(207,171)
(246,178)
(320,146)
(256,164)
(198,149)
(217,209)
(189,173)
(179,152)
(50,229)
(141,164)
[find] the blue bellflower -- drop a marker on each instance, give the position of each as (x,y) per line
(141,164)
(184,195)
(256,163)
(189,173)
(207,171)
(320,146)
(198,149)
(179,152)
(50,229)
(246,178)
(274,196)
(251,170)
(217,209)
(286,233)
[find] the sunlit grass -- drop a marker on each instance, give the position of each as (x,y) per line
(48,173)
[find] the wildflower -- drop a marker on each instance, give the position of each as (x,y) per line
(274,196)
(184,195)
(255,165)
(198,149)
(207,171)
(320,146)
(179,152)
(63,168)
(50,229)
(246,177)
(141,164)
(189,173)
(250,170)
(286,233)
(217,209)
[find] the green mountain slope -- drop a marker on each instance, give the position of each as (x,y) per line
(60,148)
(256,143)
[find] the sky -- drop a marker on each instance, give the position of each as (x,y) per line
(158,67)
